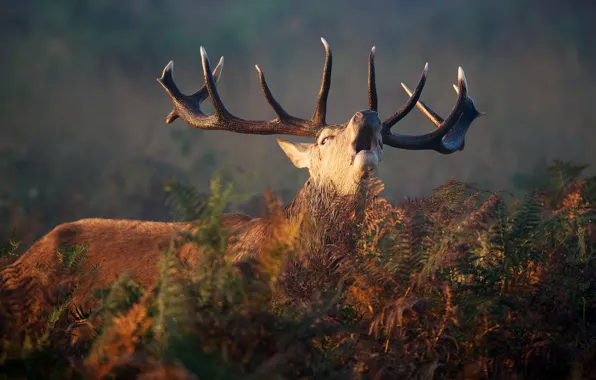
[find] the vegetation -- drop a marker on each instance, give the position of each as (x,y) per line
(461,284)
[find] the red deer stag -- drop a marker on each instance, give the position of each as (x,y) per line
(338,160)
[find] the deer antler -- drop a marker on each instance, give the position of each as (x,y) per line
(454,138)
(188,108)
(449,135)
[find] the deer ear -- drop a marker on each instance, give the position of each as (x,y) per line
(297,152)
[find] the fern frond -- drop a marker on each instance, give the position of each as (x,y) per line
(186,202)
(71,257)
(562,173)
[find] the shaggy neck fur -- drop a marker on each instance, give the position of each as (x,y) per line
(324,216)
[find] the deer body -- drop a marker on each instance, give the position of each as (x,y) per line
(134,247)
(339,160)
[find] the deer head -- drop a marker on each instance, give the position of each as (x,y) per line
(342,154)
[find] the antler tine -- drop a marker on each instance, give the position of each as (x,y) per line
(432,115)
(320,114)
(480,113)
(373,102)
(449,136)
(279,110)
(220,109)
(396,117)
(281,113)
(167,81)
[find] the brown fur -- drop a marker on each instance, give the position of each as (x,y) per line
(117,246)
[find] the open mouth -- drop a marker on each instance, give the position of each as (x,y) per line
(364,141)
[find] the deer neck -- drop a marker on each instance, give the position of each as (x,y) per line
(323,213)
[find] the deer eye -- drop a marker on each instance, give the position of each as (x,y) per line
(326,139)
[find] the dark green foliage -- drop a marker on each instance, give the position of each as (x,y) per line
(9,248)
(70,258)
(118,298)
(38,349)
(186,203)
(562,174)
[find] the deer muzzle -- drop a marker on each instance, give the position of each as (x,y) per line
(365,127)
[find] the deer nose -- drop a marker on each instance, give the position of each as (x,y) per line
(366,118)
(358,117)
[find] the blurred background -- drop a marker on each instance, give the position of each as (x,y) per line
(82,132)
